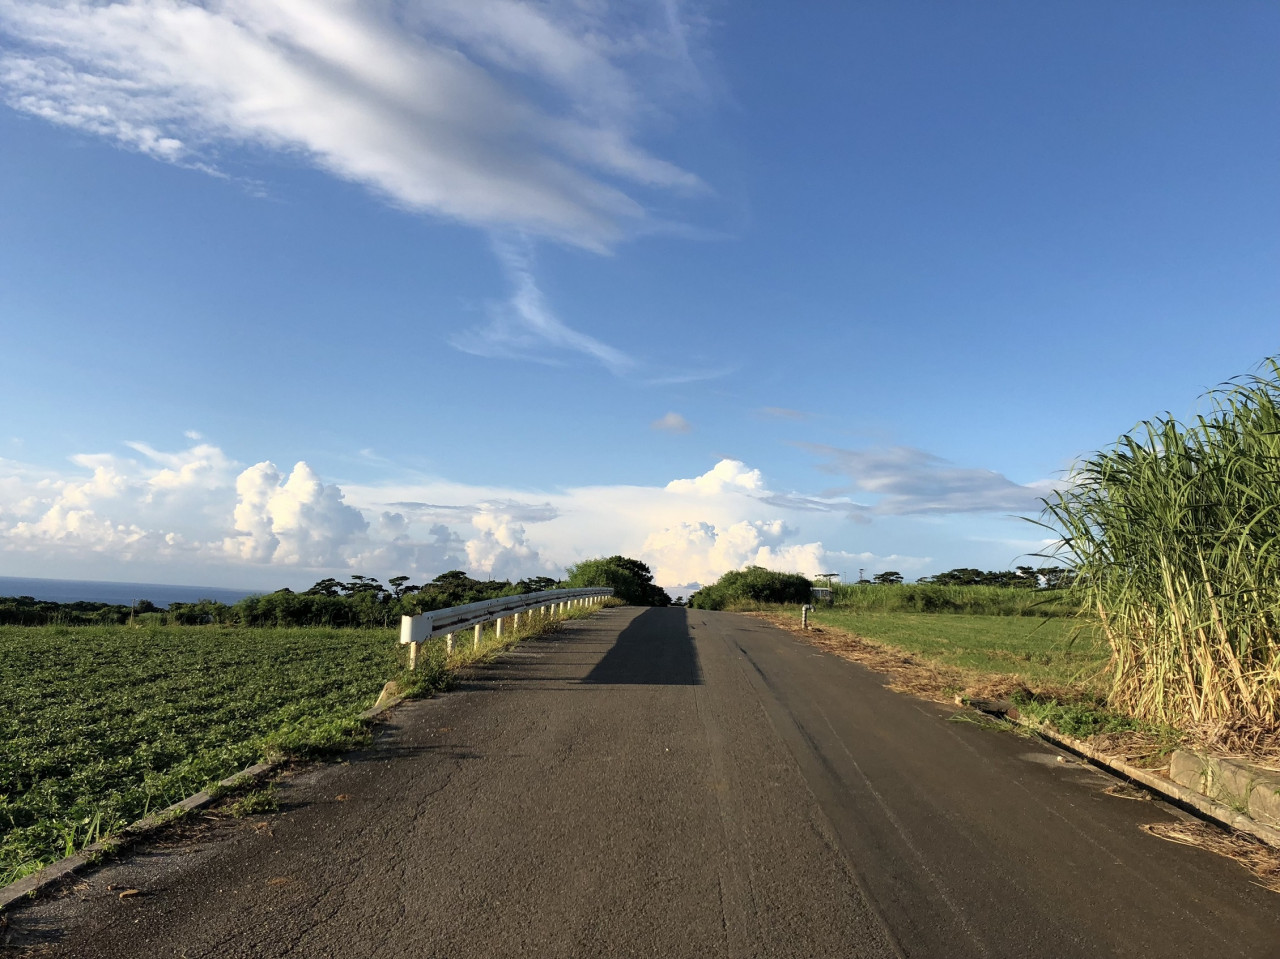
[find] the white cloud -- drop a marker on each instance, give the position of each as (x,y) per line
(499,548)
(296,520)
(495,113)
(196,514)
(701,552)
(725,475)
(525,327)
(671,423)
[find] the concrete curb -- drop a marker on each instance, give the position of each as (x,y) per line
(1178,794)
(29,887)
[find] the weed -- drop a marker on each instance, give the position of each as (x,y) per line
(257,802)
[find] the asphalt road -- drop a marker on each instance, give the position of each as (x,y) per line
(671,783)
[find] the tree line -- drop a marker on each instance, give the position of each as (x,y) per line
(360,602)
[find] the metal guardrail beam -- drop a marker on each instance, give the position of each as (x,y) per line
(443,622)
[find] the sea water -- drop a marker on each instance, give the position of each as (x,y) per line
(123,594)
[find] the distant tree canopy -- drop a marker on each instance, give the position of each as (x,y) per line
(752,585)
(1022,577)
(361,602)
(632,580)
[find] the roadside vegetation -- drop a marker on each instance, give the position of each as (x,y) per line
(752,586)
(941,597)
(1041,653)
(1175,536)
(103,724)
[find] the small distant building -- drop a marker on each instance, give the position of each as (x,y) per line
(822,594)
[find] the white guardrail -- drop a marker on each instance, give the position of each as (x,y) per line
(416,630)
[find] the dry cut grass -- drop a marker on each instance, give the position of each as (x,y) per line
(1256,856)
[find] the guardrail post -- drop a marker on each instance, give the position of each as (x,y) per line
(413,656)
(448,644)
(497,628)
(475,642)
(515,621)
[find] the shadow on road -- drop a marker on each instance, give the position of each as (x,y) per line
(656,649)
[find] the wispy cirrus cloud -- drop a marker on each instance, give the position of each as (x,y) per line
(524,327)
(908,481)
(496,113)
(783,413)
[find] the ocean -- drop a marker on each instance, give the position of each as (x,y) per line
(124,594)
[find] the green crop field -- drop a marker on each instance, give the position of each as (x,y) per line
(101,725)
(1048,651)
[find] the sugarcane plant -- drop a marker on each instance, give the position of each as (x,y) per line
(1173,534)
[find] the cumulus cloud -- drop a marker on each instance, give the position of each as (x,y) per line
(496,113)
(499,548)
(197,510)
(671,423)
(100,507)
(295,520)
(701,552)
(908,481)
(726,475)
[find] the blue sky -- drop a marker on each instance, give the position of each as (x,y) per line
(296,289)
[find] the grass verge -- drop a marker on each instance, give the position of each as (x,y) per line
(1052,670)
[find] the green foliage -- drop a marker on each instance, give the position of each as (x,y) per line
(1174,534)
(939,598)
(256,802)
(632,580)
(102,725)
(1054,652)
(752,586)
(1079,719)
(363,602)
(1021,577)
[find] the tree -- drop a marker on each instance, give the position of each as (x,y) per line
(326,587)
(752,585)
(888,578)
(537,584)
(631,580)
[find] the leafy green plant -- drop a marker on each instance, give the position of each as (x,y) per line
(256,802)
(753,587)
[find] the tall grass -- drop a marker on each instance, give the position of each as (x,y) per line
(943,598)
(1174,534)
